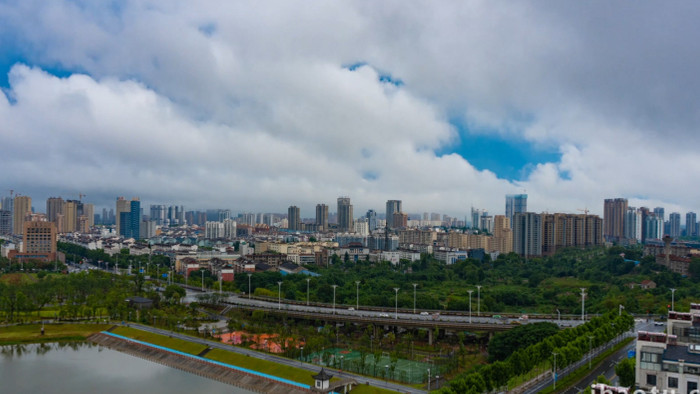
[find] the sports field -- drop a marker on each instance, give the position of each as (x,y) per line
(351,360)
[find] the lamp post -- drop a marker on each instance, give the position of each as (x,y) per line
(428,379)
(555,370)
(341,362)
(202,280)
(307,291)
(590,348)
(478,300)
(470,305)
(583,303)
(387,374)
(396,308)
(673,299)
(619,310)
(357,297)
(279,295)
(558,317)
(334,287)
(414,297)
(249,275)
(302,355)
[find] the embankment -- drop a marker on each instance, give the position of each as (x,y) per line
(236,376)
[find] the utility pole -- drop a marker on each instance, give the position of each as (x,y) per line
(396,310)
(583,303)
(478,300)
(470,305)
(673,299)
(357,297)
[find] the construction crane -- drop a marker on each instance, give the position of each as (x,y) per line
(585,211)
(80,196)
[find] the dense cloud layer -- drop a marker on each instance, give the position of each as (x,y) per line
(254,106)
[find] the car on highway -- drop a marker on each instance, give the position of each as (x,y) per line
(383,315)
(424,313)
(351,309)
(658,323)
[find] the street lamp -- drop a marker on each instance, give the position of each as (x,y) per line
(414,297)
(673,299)
(334,287)
(396,310)
(583,303)
(302,354)
(555,370)
(202,280)
(357,298)
(307,291)
(428,379)
(341,362)
(478,300)
(249,275)
(590,346)
(470,305)
(558,317)
(279,295)
(387,373)
(619,310)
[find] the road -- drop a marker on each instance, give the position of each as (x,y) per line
(313,369)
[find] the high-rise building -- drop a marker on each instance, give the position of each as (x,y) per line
(39,240)
(345,214)
(614,219)
(476,218)
(158,213)
(486,223)
(8,204)
(399,220)
(371,216)
(674,225)
(502,234)
(561,230)
(22,207)
(89,212)
(214,230)
(5,222)
(129,218)
(123,205)
(527,234)
(633,224)
(691,224)
(54,206)
(392,207)
(322,217)
(293,218)
(70,216)
(515,203)
(230,228)
(659,212)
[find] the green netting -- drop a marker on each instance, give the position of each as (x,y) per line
(401,370)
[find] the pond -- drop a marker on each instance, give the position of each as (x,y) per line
(81,367)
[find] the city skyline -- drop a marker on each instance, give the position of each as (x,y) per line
(259,108)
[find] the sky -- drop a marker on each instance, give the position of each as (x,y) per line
(256,106)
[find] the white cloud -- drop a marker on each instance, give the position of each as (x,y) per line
(248,106)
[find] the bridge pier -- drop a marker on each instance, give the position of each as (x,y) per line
(430,337)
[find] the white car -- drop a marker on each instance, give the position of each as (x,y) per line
(383,315)
(351,309)
(425,313)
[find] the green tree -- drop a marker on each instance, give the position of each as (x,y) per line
(626,371)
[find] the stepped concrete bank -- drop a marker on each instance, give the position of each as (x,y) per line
(229,374)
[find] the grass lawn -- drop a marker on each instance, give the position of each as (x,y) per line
(160,340)
(268,367)
(52,332)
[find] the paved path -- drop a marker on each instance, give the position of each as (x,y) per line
(281,360)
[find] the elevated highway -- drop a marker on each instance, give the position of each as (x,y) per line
(450,321)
